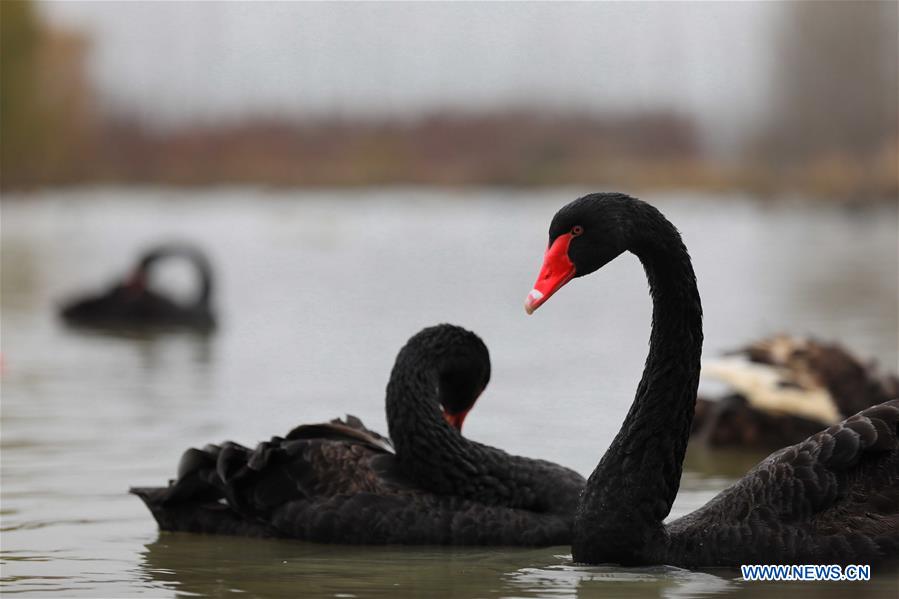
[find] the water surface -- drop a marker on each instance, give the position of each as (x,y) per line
(316,291)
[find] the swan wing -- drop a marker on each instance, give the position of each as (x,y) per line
(416,519)
(222,484)
(350,429)
(774,390)
(831,498)
(853,384)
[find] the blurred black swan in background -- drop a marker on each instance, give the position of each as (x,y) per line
(133,304)
(342,483)
(783,389)
(833,498)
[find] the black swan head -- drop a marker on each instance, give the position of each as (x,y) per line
(457,362)
(133,303)
(584,236)
(462,378)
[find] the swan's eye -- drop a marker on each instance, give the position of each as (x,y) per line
(576,230)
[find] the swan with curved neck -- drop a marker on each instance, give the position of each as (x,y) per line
(197,259)
(441,459)
(832,498)
(339,482)
(132,303)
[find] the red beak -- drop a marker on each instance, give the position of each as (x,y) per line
(557,270)
(136,283)
(455,420)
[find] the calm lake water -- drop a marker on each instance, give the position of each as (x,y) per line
(316,292)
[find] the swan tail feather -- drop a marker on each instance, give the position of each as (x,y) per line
(197,516)
(232,489)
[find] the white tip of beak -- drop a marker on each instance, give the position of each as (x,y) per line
(529,303)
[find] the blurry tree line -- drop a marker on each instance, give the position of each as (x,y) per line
(502,148)
(831,127)
(835,100)
(46,123)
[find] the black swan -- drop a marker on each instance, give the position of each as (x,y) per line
(833,498)
(341,483)
(132,304)
(783,389)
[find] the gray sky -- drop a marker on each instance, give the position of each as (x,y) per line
(186,61)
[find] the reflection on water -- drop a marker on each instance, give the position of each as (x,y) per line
(155,348)
(318,291)
(198,565)
(568,580)
(193,564)
(267,568)
(706,462)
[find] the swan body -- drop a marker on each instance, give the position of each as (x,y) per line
(766,389)
(132,304)
(833,498)
(810,363)
(339,482)
(785,388)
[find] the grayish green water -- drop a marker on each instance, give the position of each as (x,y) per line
(316,293)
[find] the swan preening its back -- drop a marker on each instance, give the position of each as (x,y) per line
(339,482)
(133,304)
(833,498)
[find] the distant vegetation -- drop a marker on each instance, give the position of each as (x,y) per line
(832,121)
(831,128)
(509,148)
(47,123)
(21,137)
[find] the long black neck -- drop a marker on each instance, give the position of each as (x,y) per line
(204,272)
(195,257)
(632,489)
(428,449)
(438,367)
